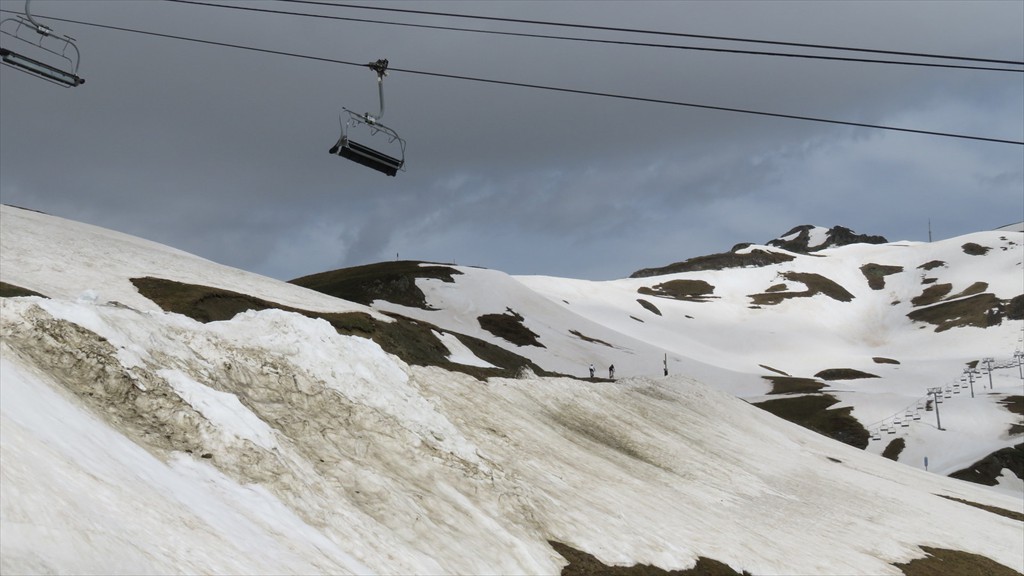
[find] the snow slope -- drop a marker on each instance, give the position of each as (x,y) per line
(139,441)
(728,342)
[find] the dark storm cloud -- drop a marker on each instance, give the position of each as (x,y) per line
(223,152)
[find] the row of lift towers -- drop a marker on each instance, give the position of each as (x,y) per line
(36,49)
(931,401)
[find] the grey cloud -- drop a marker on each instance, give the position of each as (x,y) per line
(223,152)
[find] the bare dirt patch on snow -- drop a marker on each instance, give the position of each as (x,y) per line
(509,326)
(981,311)
(793,385)
(941,561)
(8,290)
(411,340)
(586,338)
(876,273)
(987,470)
(813,412)
(584,564)
(893,449)
(650,307)
(975,249)
(1015,404)
(756,258)
(843,374)
(689,290)
(998,511)
(814,284)
(393,282)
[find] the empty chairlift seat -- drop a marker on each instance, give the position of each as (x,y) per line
(364,154)
(36,49)
(368,157)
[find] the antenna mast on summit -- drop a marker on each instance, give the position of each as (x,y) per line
(929,230)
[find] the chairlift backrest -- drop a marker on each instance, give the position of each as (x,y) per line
(34,48)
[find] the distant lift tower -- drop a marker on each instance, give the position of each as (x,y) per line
(36,49)
(388,163)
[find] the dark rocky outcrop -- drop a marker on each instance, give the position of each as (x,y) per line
(836,236)
(754,258)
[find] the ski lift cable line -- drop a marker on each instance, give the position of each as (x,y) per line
(603,41)
(719,108)
(902,411)
(199,40)
(553,88)
(657,32)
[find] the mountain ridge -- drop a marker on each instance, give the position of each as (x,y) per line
(895,297)
(803,239)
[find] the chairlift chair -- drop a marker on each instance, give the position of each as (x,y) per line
(34,48)
(361,153)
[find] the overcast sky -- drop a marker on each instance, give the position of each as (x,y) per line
(222,152)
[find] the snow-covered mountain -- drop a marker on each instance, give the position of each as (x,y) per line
(163,413)
(863,326)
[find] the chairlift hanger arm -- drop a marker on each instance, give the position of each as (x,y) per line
(381,68)
(40,28)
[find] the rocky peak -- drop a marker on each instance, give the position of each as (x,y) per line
(809,238)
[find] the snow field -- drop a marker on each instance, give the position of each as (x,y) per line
(137,441)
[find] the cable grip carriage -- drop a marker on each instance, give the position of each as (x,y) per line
(361,153)
(35,48)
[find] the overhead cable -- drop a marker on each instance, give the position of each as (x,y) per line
(655,32)
(601,41)
(712,107)
(550,88)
